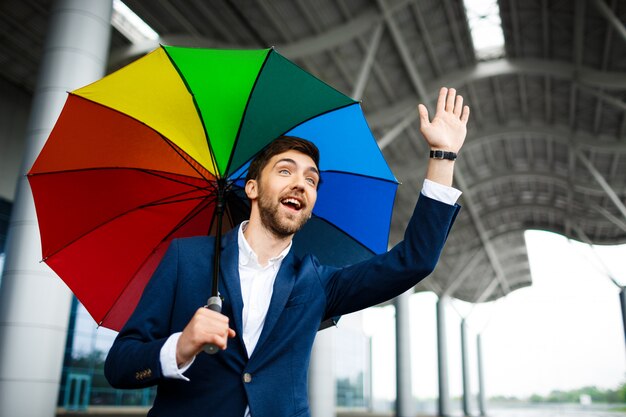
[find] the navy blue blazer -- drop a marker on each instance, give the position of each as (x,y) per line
(305,293)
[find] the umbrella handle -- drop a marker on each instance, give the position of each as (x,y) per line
(214,303)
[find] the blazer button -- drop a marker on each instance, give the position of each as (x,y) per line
(247,377)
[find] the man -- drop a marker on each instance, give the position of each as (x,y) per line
(261,370)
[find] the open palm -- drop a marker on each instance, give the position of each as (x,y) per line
(448,128)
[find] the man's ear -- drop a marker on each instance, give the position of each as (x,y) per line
(252,190)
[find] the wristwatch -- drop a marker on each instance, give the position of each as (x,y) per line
(443,155)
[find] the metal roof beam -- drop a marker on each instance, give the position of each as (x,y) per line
(430,49)
(486,293)
(497,177)
(560,134)
(523,95)
(602,182)
(482,70)
(603,66)
(394,132)
(530,66)
(614,101)
(578,44)
(456,34)
(217,24)
(368,63)
(584,238)
(500,108)
(579,31)
(472,97)
(178,16)
(379,72)
(313,22)
(586,77)
(610,217)
(403,49)
(609,15)
(269,10)
(525,210)
(517,37)
(545,27)
(304,47)
(466,269)
(482,232)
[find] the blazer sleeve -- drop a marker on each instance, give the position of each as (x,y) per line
(133,360)
(386,276)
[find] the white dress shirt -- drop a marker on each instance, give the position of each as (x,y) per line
(257,284)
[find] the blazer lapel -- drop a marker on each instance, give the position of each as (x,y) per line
(229,278)
(283,285)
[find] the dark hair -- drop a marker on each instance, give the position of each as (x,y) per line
(278,146)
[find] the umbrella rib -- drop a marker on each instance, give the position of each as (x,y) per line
(195,104)
(192,213)
(394,181)
(245,111)
(142,206)
(356,174)
(289,129)
(167,141)
(197,187)
(179,152)
(319,115)
(156,173)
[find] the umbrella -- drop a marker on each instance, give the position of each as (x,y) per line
(159,150)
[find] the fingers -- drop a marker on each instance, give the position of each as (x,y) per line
(465,114)
(458,106)
(441,100)
(450,100)
(423,113)
(205,327)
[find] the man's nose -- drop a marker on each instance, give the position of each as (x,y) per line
(298,182)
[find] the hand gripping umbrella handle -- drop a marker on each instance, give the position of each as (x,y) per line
(214,303)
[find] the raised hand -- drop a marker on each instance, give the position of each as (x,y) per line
(448,128)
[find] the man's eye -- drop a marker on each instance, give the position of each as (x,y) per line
(311,181)
(284,171)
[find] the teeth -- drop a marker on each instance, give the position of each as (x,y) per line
(292,201)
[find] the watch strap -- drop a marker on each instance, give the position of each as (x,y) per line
(439,154)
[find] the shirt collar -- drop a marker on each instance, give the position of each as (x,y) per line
(247,255)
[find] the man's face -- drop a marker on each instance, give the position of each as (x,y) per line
(287,191)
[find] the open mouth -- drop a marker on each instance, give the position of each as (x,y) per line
(292,203)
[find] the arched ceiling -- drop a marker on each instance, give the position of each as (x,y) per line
(546,147)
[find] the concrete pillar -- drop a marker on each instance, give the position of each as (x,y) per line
(442,358)
(404,394)
(481,377)
(467,392)
(322,385)
(370,379)
(622,299)
(34,303)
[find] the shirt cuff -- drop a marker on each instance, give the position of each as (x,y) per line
(440,192)
(167,356)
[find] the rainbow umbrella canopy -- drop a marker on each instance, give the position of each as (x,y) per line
(143,155)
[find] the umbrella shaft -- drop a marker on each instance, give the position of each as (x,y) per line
(218,237)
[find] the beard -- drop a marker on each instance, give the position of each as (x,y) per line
(272,220)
